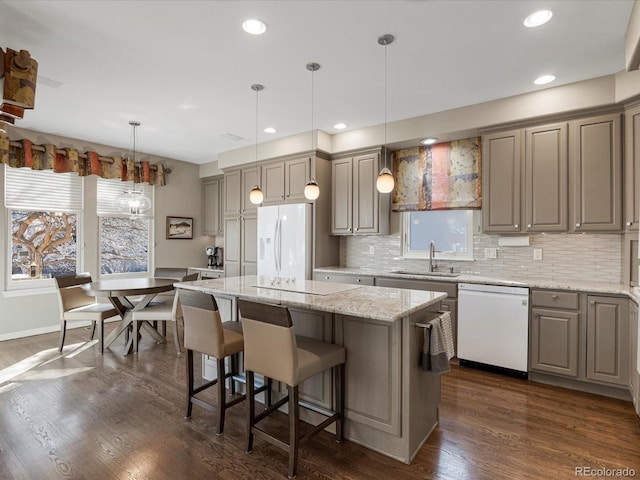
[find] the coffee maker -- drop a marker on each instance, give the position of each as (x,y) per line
(210,256)
(217,256)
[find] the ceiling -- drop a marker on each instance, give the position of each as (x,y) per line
(184,68)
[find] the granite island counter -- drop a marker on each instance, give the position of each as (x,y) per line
(391,404)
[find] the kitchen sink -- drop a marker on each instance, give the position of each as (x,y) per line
(428,274)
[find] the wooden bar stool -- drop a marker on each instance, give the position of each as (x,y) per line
(205,332)
(273,350)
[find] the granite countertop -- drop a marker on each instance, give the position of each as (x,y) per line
(376,303)
(524,281)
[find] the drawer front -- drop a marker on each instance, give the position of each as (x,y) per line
(351,279)
(449,288)
(554,299)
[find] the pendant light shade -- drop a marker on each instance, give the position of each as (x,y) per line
(385,182)
(312,189)
(256,196)
(132,201)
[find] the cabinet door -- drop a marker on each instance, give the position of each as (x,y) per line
(607,342)
(341,196)
(296,175)
(273,183)
(501,182)
(597,170)
(232,246)
(546,173)
(554,341)
(212,208)
(232,186)
(250,178)
(632,168)
(365,194)
(633,350)
(249,236)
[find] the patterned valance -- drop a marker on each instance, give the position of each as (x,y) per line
(444,176)
(23,153)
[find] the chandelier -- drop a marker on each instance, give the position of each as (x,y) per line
(132,201)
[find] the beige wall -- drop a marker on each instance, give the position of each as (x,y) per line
(23,313)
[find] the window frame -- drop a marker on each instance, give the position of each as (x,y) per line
(408,253)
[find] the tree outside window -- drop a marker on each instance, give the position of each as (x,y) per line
(43,244)
(124,245)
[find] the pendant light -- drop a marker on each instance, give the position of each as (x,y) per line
(311,189)
(133,202)
(256,196)
(385,182)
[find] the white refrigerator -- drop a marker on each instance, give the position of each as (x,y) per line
(284,242)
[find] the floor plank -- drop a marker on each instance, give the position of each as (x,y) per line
(86,415)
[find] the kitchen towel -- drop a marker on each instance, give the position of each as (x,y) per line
(438,346)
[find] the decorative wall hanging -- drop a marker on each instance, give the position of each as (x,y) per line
(18,75)
(444,176)
(179,228)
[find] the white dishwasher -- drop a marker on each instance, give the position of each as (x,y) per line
(493,326)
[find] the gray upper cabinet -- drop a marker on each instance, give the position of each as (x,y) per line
(357,208)
(213,201)
(232,185)
(597,174)
(632,168)
(284,181)
(501,182)
(546,178)
(607,342)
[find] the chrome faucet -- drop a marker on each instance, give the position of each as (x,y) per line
(432,252)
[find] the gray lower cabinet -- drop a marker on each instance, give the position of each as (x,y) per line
(607,341)
(634,376)
(341,278)
(555,332)
(241,245)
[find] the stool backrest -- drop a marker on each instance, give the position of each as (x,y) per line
(170,272)
(70,293)
(270,346)
(177,306)
(202,324)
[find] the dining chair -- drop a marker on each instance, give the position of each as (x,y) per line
(205,332)
(76,305)
(271,348)
(162,312)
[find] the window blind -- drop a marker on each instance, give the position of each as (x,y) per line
(108,191)
(35,190)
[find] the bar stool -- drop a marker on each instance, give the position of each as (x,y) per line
(205,332)
(273,350)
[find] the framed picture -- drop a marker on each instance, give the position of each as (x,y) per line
(179,228)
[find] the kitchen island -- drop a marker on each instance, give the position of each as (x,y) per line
(391,404)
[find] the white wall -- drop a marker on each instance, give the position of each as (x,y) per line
(27,313)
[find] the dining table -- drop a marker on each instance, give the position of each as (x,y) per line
(120,293)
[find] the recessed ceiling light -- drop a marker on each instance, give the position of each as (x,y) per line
(429,141)
(269,130)
(544,79)
(538,18)
(339,126)
(254,26)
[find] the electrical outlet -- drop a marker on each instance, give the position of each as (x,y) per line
(490,253)
(537,254)
(371,250)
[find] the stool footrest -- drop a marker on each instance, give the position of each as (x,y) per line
(271,409)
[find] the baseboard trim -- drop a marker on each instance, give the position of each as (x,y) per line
(42,330)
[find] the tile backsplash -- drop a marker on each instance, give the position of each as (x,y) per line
(592,257)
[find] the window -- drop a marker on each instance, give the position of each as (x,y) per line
(450,230)
(125,241)
(44,213)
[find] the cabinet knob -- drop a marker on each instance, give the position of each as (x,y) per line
(516,226)
(555,297)
(629,224)
(529,225)
(326,278)
(357,228)
(349,228)
(592,302)
(577,225)
(359,280)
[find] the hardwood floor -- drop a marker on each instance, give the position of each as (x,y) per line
(85,415)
